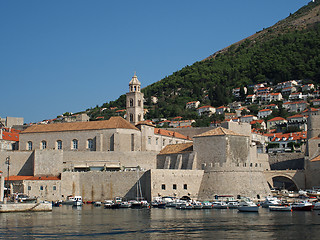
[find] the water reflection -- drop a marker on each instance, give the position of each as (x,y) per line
(89,222)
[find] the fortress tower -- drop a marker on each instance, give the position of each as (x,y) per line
(134,101)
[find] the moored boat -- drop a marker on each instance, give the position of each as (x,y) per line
(248,206)
(280,208)
(302,206)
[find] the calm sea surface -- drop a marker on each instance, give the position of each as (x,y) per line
(91,222)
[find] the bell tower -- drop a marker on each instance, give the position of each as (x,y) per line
(134,101)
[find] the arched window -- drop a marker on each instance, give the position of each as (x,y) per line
(29,146)
(131,117)
(139,103)
(139,117)
(90,144)
(135,88)
(131,102)
(74,144)
(43,145)
(59,144)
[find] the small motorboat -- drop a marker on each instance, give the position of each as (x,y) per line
(219,205)
(302,206)
(284,208)
(248,206)
(97,204)
(233,204)
(77,201)
(271,201)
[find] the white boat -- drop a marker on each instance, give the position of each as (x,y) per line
(197,205)
(302,206)
(207,205)
(219,205)
(233,204)
(271,201)
(125,204)
(77,201)
(280,208)
(97,204)
(248,206)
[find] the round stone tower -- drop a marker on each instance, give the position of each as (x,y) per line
(135,101)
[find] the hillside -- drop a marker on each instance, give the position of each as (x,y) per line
(288,50)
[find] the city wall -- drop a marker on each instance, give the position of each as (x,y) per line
(99,186)
(21,163)
(283,161)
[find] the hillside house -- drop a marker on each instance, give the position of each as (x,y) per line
(251,98)
(262,125)
(295,96)
(274,97)
(307,87)
(272,123)
(295,106)
(264,113)
(222,109)
(206,110)
(193,104)
(288,90)
(287,84)
(248,118)
(299,121)
(236,91)
(316,102)
(9,139)
(271,106)
(283,142)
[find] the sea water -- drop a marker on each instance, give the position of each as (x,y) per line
(90,222)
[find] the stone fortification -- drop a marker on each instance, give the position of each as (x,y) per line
(99,186)
(228,165)
(21,162)
(191,132)
(284,161)
(175,183)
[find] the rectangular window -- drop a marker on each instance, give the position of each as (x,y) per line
(185,186)
(174,186)
(149,140)
(41,188)
(54,188)
(59,145)
(157,140)
(29,188)
(163,187)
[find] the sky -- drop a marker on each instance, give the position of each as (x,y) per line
(67,56)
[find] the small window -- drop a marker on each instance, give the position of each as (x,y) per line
(163,187)
(131,102)
(29,145)
(163,142)
(41,188)
(54,188)
(185,186)
(131,117)
(174,186)
(319,145)
(157,140)
(149,140)
(139,103)
(74,144)
(43,145)
(29,188)
(90,144)
(59,144)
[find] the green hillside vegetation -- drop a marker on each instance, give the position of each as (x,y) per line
(288,50)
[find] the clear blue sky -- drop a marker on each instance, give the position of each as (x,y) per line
(66,56)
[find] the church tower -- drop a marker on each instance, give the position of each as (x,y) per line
(134,101)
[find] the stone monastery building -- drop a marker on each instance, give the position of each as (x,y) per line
(105,159)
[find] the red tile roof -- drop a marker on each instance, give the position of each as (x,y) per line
(168,133)
(276,119)
(20,178)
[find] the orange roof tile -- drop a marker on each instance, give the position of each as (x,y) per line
(168,133)
(177,148)
(21,178)
(276,119)
(220,131)
(112,123)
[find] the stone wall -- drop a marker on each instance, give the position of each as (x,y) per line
(49,190)
(145,160)
(48,162)
(100,186)
(176,161)
(250,184)
(283,161)
(1,186)
(191,132)
(21,162)
(175,183)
